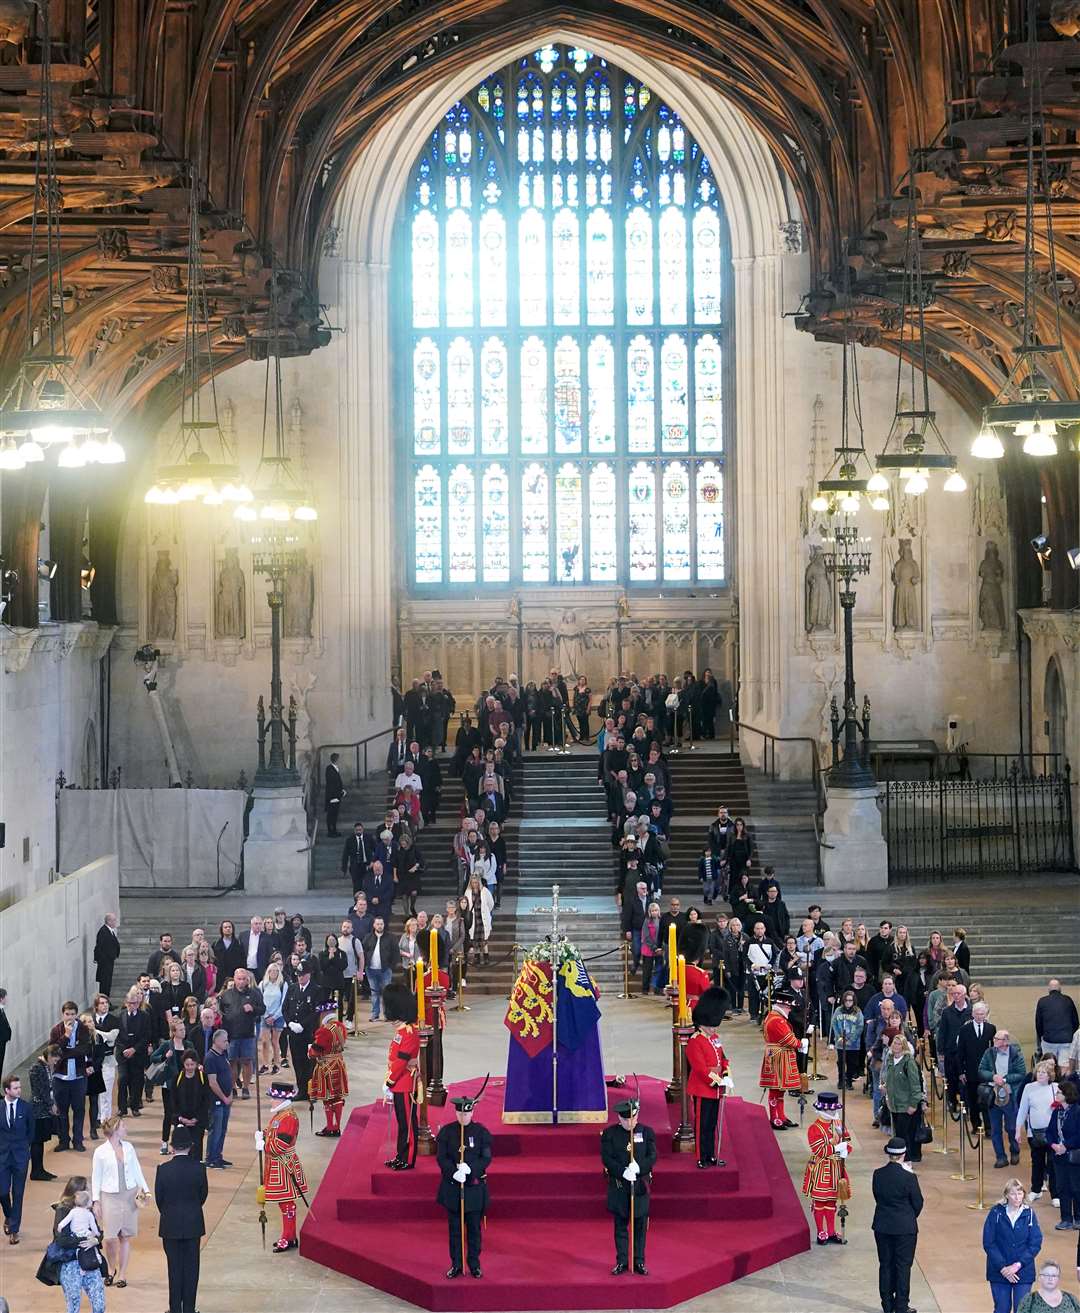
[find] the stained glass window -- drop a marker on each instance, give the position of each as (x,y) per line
(565,318)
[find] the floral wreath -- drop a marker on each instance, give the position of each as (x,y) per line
(542,952)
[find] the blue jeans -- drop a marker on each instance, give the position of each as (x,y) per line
(1003,1118)
(378,979)
(219,1124)
(71,1094)
(1007,1296)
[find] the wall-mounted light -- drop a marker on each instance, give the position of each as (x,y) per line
(1040,545)
(46,569)
(1073,557)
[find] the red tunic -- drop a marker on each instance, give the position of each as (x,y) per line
(697,982)
(704,1054)
(283,1173)
(779,1070)
(404,1047)
(824,1171)
(329,1081)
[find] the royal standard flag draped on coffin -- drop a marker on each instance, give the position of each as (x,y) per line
(528,1014)
(578,1012)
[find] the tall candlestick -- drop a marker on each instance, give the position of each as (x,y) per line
(682,991)
(672,937)
(421,1007)
(433,956)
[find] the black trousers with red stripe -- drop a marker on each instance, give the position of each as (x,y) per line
(405,1112)
(707,1112)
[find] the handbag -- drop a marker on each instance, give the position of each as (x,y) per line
(924,1132)
(155,1073)
(92,1260)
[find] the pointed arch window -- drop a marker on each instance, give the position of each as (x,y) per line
(565,318)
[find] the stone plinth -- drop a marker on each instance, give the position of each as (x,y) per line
(855,856)
(275,853)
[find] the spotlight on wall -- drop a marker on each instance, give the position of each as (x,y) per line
(1073,557)
(87,572)
(46,569)
(1040,545)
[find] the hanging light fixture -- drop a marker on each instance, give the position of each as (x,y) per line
(46,405)
(1024,407)
(849,478)
(914,446)
(202,466)
(279,494)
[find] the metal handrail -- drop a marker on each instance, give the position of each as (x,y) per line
(315,777)
(817,775)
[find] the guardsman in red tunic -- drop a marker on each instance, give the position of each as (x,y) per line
(829,1144)
(283,1173)
(708,1080)
(329,1081)
(779,1069)
(403,1072)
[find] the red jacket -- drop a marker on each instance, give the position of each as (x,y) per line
(404,1047)
(704,1054)
(697,982)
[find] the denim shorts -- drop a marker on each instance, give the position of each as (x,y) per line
(242,1050)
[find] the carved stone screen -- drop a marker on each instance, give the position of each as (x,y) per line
(566,327)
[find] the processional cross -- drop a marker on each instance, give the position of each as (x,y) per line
(555,937)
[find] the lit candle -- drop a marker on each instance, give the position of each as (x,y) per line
(672,935)
(682,990)
(421,1010)
(433,957)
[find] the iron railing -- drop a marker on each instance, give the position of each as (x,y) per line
(940,828)
(321,756)
(816,774)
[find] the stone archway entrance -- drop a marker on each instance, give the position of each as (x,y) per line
(1055,700)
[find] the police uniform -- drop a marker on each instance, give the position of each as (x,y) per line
(615,1154)
(707,1077)
(463,1194)
(329,1081)
(403,1073)
(779,1069)
(825,1179)
(283,1173)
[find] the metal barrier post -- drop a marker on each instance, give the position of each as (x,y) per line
(963,1174)
(979,1205)
(626,971)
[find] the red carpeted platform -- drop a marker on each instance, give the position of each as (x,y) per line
(548,1242)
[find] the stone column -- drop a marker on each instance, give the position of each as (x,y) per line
(856,856)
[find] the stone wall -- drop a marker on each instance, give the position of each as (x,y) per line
(47,948)
(49,723)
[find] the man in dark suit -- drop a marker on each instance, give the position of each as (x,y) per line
(257,956)
(379,891)
(106,951)
(301,1001)
(355,857)
(5,1028)
(974,1039)
(16,1132)
(333,791)
(180,1192)
(134,1037)
(634,912)
(898,1202)
(628,1155)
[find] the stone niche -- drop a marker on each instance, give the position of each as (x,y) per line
(596,633)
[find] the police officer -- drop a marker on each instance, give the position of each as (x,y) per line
(628,1152)
(463,1152)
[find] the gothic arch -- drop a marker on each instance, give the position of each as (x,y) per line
(357,279)
(1056,704)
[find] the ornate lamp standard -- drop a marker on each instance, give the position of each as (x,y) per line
(848,561)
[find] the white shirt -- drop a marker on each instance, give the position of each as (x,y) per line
(412,781)
(253,951)
(9,1110)
(105,1176)
(376,957)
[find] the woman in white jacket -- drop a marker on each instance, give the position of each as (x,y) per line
(115,1181)
(480,897)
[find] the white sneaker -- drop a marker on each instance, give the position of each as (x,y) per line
(1034,1196)
(1056,1203)
(348,1025)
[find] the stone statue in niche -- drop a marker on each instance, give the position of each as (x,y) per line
(819,594)
(163,594)
(570,639)
(230,614)
(991,592)
(906,579)
(299,600)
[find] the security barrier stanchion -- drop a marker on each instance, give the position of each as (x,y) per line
(626,971)
(963,1174)
(979,1205)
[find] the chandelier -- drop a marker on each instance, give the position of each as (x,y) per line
(279,494)
(914,446)
(46,406)
(201,465)
(1024,405)
(849,478)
